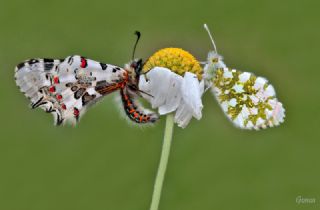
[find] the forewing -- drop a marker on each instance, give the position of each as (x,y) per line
(248,101)
(66,87)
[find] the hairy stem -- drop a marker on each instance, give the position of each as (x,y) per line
(163,162)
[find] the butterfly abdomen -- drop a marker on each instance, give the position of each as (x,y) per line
(135,111)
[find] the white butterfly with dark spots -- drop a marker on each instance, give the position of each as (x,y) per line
(66,87)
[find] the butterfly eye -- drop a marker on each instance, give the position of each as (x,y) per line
(215,60)
(133,65)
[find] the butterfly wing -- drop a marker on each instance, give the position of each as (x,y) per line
(66,87)
(248,101)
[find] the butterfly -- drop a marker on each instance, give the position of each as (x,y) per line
(249,101)
(67,87)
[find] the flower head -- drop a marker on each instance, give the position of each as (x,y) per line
(177,60)
(172,77)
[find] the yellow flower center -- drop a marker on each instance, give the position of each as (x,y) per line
(177,60)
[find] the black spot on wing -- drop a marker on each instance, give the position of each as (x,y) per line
(37,103)
(103,66)
(86,98)
(48,66)
(74,88)
(48,60)
(115,69)
(59,120)
(70,60)
(100,85)
(69,84)
(33,61)
(79,93)
(20,65)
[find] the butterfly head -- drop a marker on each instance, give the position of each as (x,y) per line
(136,66)
(133,69)
(215,60)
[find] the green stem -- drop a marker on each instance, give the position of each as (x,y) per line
(163,163)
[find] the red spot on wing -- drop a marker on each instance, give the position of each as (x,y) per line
(84,63)
(52,89)
(63,106)
(76,112)
(56,80)
(59,97)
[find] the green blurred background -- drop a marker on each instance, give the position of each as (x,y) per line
(105,163)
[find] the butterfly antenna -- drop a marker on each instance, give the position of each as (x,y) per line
(138,34)
(141,91)
(214,45)
(135,88)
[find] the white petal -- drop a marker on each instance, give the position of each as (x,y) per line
(173,97)
(171,92)
(158,85)
(145,86)
(192,91)
(183,115)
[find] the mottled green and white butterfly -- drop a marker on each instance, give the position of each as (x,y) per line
(248,101)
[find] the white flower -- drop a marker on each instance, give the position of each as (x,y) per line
(171,92)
